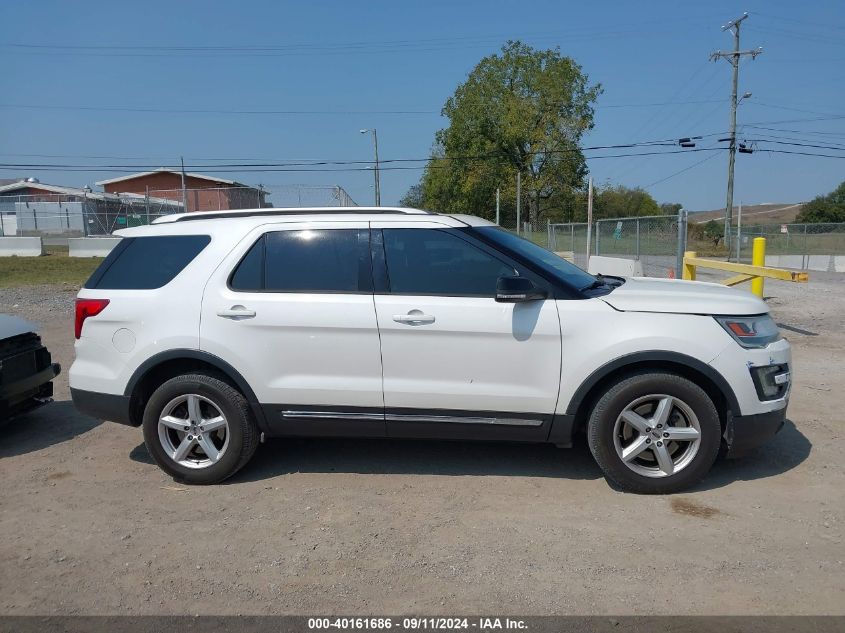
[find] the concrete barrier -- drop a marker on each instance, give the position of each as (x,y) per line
(91,246)
(21,246)
(823,263)
(567,255)
(615,266)
(785,261)
(818,262)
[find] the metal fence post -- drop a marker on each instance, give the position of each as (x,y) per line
(572,236)
(679,257)
(805,260)
(598,230)
(638,238)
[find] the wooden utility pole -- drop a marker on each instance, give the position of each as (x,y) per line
(733,58)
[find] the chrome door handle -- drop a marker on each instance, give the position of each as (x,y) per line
(413,319)
(236,312)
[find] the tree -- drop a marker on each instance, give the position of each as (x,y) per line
(670,208)
(623,202)
(827,208)
(413,198)
(523,110)
(713,229)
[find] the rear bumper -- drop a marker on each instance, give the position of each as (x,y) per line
(102,406)
(744,433)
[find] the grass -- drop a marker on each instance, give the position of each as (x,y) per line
(55,267)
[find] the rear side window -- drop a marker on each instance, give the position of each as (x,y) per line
(145,263)
(311,260)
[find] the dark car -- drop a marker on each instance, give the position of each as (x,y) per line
(26,369)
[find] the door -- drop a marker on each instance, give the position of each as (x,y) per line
(292,310)
(456,363)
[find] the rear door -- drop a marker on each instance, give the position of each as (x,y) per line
(292,310)
(457,364)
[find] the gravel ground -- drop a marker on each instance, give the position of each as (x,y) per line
(91,526)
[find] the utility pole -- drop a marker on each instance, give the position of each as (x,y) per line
(376,182)
(518,200)
(733,57)
(378,179)
(184,191)
(589,219)
(497,205)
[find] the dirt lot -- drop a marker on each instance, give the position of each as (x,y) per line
(91,526)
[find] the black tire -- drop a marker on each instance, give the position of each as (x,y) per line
(243,434)
(611,404)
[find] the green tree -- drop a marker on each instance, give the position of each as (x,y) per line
(827,208)
(523,110)
(623,202)
(713,229)
(670,208)
(413,198)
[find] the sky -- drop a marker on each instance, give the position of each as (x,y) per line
(93,84)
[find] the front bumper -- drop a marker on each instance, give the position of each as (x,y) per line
(744,433)
(28,392)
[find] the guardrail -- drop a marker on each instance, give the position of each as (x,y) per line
(754,272)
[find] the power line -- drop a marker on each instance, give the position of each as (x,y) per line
(811,132)
(323,167)
(789,151)
(840,148)
(772,16)
(822,118)
(317,162)
(792,109)
(681,171)
(160,110)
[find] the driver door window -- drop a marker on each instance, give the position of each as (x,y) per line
(435,262)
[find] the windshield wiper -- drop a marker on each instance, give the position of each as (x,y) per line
(598,283)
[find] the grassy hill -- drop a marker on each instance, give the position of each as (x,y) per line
(771,213)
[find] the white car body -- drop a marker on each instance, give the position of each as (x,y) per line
(518,371)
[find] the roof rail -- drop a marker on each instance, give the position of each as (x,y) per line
(248,213)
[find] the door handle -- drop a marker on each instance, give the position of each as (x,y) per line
(236,312)
(416,318)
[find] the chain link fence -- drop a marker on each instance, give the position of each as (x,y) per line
(89,213)
(804,246)
(653,240)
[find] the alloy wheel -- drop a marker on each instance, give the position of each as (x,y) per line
(657,435)
(193,431)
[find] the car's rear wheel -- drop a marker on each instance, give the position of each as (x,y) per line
(654,433)
(199,429)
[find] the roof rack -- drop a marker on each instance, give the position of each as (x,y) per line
(249,213)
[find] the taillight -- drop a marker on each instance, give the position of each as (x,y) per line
(87,308)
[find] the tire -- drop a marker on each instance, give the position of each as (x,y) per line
(183,429)
(635,458)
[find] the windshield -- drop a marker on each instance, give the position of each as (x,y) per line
(545,260)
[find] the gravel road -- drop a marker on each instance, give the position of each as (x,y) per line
(91,526)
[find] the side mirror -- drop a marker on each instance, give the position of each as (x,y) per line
(517,290)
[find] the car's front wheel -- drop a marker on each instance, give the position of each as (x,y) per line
(199,429)
(654,433)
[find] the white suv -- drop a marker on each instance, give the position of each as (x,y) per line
(214,330)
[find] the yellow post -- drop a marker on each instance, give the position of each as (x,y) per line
(689,269)
(758,258)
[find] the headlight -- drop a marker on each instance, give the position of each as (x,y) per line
(752,331)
